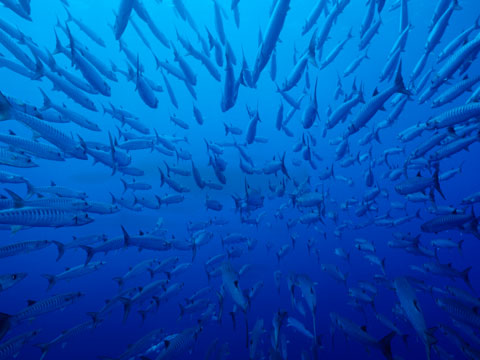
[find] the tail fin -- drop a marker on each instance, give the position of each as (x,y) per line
(143,315)
(399,81)
(44,349)
(30,189)
(168,168)
(89,251)
(127,306)
(124,185)
(437,182)
(51,280)
(16,198)
(119,281)
(126,237)
(95,317)
(385,346)
(5,324)
(47,103)
(60,248)
(4,108)
(466,278)
(162,176)
(284,169)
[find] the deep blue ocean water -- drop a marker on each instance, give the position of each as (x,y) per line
(112,336)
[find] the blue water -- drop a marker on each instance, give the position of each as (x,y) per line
(112,336)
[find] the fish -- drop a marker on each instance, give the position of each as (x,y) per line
(413,312)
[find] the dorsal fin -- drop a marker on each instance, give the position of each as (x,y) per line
(419,174)
(375,92)
(31,302)
(364,328)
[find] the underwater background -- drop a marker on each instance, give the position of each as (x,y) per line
(262,202)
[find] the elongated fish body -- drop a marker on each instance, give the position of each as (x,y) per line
(360,334)
(440,26)
(455,61)
(72,273)
(457,42)
(88,71)
(459,311)
(14,159)
(355,64)
(367,38)
(324,33)
(376,103)
(335,51)
(455,116)
(343,110)
(66,335)
(270,38)
(142,12)
(26,247)
(69,114)
(314,15)
(59,83)
(177,345)
(43,217)
(230,283)
(17,67)
(146,241)
(252,129)
(37,149)
(428,145)
(45,306)
(9,280)
(296,73)
(367,20)
(411,307)
(146,92)
(455,91)
(87,30)
(123,16)
(16,51)
(11,348)
(447,222)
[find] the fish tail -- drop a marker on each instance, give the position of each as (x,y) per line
(127,306)
(4,108)
(399,81)
(5,324)
(437,182)
(284,168)
(89,251)
(385,345)
(51,280)
(95,317)
(119,280)
(465,276)
(60,248)
(162,176)
(126,237)
(44,349)
(124,185)
(58,45)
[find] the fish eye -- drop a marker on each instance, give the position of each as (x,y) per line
(14,277)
